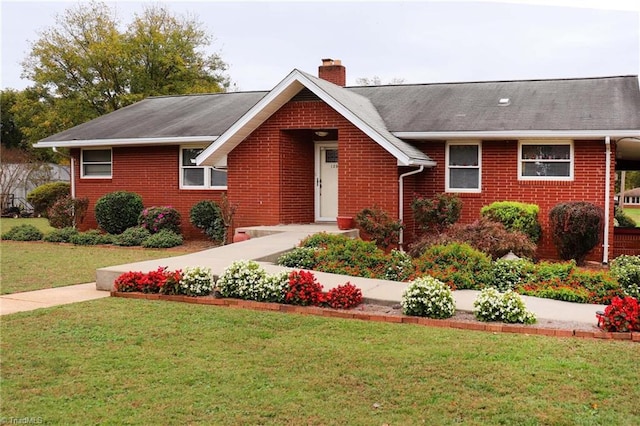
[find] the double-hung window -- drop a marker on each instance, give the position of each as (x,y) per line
(193,176)
(545,160)
(96,163)
(464,167)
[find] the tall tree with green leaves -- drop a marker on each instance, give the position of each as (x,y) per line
(86,65)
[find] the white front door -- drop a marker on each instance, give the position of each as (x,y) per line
(326,181)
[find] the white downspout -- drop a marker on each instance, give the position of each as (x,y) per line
(607,201)
(401,201)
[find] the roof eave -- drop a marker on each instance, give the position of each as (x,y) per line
(91,143)
(517,134)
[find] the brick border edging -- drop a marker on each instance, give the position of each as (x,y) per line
(398,319)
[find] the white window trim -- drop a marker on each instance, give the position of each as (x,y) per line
(82,163)
(547,142)
(207,172)
(447,167)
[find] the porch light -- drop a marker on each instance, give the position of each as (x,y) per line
(321,133)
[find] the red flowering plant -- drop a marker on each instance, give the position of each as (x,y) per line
(172,283)
(623,314)
(151,282)
(344,296)
(304,289)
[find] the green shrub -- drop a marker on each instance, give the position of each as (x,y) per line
(457,264)
(508,274)
(163,239)
(133,236)
(24,232)
(438,213)
(155,219)
(601,285)
(575,228)
(428,297)
(63,235)
(299,257)
(515,216)
(91,238)
(492,305)
(545,271)
(117,211)
(43,197)
(67,211)
(398,266)
(323,239)
(623,220)
(626,269)
(352,257)
(556,289)
(379,226)
(207,216)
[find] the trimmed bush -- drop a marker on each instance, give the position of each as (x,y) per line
(155,219)
(63,235)
(438,213)
(207,217)
(508,274)
(575,228)
(492,305)
(626,269)
(299,257)
(379,226)
(91,238)
(428,297)
(24,232)
(43,197)
(457,264)
(134,236)
(515,216)
(622,219)
(117,211)
(67,211)
(323,240)
(163,239)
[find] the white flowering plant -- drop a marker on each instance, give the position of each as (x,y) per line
(492,305)
(197,281)
(273,288)
(398,267)
(428,297)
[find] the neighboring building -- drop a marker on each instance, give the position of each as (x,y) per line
(276,153)
(18,179)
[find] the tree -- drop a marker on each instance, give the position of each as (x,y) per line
(85,66)
(11,135)
(377,81)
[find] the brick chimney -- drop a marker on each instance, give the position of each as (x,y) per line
(333,71)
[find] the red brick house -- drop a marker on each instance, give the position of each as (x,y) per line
(276,153)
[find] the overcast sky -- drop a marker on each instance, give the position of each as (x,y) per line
(420,42)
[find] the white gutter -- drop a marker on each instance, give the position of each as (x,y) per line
(72,171)
(607,202)
(401,201)
(125,142)
(517,134)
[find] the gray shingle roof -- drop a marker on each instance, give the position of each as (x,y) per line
(166,116)
(608,103)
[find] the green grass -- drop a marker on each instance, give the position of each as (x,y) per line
(41,223)
(633,213)
(123,361)
(33,265)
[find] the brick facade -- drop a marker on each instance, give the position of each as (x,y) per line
(271,176)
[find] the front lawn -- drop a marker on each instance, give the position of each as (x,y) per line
(124,361)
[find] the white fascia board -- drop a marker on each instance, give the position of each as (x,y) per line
(91,143)
(519,134)
(251,120)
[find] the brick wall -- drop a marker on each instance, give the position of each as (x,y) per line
(153,173)
(500,183)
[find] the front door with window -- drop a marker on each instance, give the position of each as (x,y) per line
(326,199)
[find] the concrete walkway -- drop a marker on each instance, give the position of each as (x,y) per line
(265,246)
